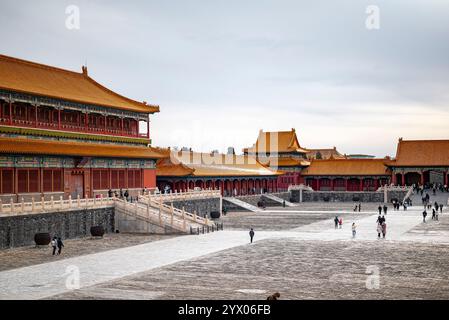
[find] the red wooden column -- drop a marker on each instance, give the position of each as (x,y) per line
(403,179)
(105,123)
(222,187)
(121,126)
(86,121)
(10,112)
(35,115)
(361,184)
(59,118)
(422,178)
(346,184)
(318,184)
(332,184)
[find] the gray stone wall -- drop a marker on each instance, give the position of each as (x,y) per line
(343,196)
(18,231)
(202,207)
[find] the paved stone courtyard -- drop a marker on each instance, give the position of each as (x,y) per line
(296,251)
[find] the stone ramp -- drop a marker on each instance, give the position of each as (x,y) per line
(242,204)
(279,200)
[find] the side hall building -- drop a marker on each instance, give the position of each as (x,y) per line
(64,134)
(419,162)
(233,174)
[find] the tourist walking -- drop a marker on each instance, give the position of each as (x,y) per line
(353,230)
(384,229)
(385,209)
(379,230)
(441,208)
(54,244)
(110,193)
(126,194)
(121,193)
(360,206)
(336,222)
(340,222)
(433,214)
(380,210)
(60,245)
(251,235)
(424,215)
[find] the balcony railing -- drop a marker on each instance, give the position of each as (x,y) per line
(73,128)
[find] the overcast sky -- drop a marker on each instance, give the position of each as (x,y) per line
(223,70)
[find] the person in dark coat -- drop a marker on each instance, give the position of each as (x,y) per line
(336,221)
(110,193)
(380,210)
(274,296)
(251,235)
(121,193)
(441,208)
(126,195)
(385,209)
(60,245)
(424,215)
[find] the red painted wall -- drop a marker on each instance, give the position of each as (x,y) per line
(149,178)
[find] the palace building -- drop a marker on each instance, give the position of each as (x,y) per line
(232,174)
(280,151)
(346,174)
(420,162)
(64,134)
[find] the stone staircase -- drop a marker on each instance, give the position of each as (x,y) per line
(165,218)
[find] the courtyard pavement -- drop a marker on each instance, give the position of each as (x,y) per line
(58,277)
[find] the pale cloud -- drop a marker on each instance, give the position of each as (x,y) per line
(222,70)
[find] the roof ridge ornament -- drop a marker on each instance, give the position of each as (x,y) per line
(84,69)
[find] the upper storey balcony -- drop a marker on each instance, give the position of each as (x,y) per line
(20,114)
(38,96)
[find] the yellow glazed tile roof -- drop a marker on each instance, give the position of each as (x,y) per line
(42,80)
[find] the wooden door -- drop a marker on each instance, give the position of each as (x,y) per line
(76,186)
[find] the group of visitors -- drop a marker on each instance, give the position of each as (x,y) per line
(430,186)
(56,243)
(358,207)
(338,221)
(436,209)
(384,208)
(120,194)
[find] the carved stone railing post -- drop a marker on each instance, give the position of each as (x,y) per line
(61,203)
(70,200)
(52,203)
(43,203)
(1,206)
(184,225)
(160,214)
(78,201)
(11,203)
(32,204)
